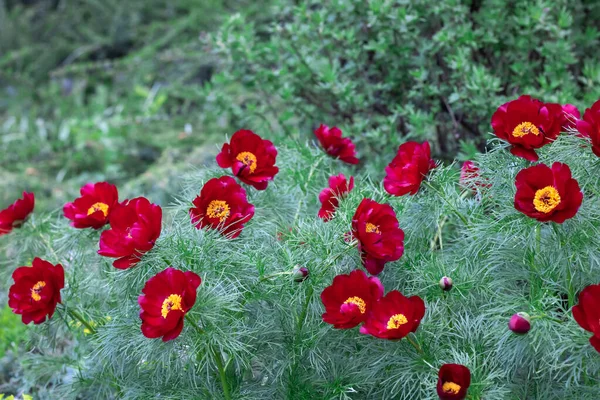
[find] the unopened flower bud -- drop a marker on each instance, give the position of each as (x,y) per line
(520,323)
(300,274)
(446,283)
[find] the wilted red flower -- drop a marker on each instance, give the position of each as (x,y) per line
(589,126)
(520,323)
(570,117)
(547,194)
(587,313)
(330,196)
(36,290)
(408,169)
(166,298)
(350,298)
(134,227)
(379,237)
(251,158)
(394,316)
(222,205)
(453,382)
(335,145)
(93,208)
(14,215)
(470,176)
(527,124)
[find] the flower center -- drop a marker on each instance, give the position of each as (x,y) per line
(36,290)
(451,387)
(546,199)
(370,228)
(99,207)
(248,159)
(525,128)
(396,321)
(357,301)
(218,209)
(173,302)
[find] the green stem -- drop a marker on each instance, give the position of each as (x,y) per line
(193,323)
(415,345)
(538,238)
(462,217)
(222,375)
(75,315)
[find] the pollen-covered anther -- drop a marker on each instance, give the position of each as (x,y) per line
(525,128)
(98,207)
(357,301)
(546,199)
(396,321)
(173,302)
(218,209)
(372,228)
(248,159)
(451,387)
(36,290)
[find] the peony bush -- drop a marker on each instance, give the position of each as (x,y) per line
(288,270)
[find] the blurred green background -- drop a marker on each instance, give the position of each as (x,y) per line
(138,91)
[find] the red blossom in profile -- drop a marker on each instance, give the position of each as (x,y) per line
(93,208)
(394,316)
(470,177)
(330,196)
(589,126)
(251,159)
(587,313)
(547,194)
(166,298)
(335,145)
(350,298)
(134,228)
(15,215)
(379,237)
(408,169)
(453,382)
(222,205)
(570,117)
(36,290)
(527,124)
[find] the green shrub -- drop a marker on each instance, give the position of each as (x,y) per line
(388,70)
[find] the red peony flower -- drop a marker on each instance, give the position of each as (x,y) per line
(134,227)
(470,176)
(408,169)
(36,290)
(14,215)
(589,126)
(453,382)
(166,298)
(93,208)
(251,158)
(394,316)
(335,145)
(222,205)
(570,116)
(547,194)
(380,240)
(330,197)
(587,313)
(349,300)
(527,124)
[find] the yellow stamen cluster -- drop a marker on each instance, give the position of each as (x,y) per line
(36,290)
(249,159)
(218,209)
(98,207)
(525,128)
(370,228)
(360,303)
(173,302)
(546,199)
(451,387)
(396,321)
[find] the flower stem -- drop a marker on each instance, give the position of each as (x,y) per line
(462,217)
(75,315)
(222,375)
(191,321)
(415,345)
